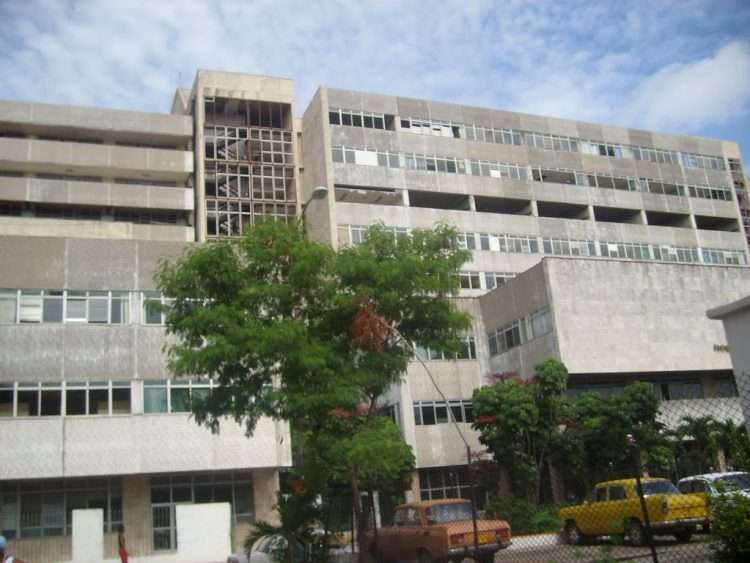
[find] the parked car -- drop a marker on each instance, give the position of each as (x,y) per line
(263,549)
(714,484)
(615,508)
(438,530)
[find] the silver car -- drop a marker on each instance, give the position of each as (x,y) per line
(715,484)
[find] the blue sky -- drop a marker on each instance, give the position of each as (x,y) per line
(681,66)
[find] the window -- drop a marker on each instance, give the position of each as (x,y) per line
(45,508)
(466,351)
(31,306)
(167,396)
(57,306)
(519,332)
(233,487)
(444,482)
(617,493)
(428,413)
(726,388)
(601,494)
(152,304)
(8,306)
(155,396)
(75,306)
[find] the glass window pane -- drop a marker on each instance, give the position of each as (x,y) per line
(121,401)
(180,399)
(75,401)
(98,401)
(6,401)
(154,399)
(75,309)
(98,309)
(52,310)
(8,306)
(28,403)
(119,309)
(51,403)
(31,308)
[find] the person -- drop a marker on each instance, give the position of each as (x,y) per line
(121,544)
(5,557)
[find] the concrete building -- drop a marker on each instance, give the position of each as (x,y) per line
(736,319)
(645,230)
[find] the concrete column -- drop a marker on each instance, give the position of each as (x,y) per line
(644,217)
(413,493)
(590,210)
(136,514)
(534,209)
(405,198)
(472,203)
(265,487)
(693,224)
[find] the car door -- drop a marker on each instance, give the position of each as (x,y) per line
(616,509)
(389,539)
(590,516)
(409,536)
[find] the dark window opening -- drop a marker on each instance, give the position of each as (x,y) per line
(663,219)
(717,223)
(618,215)
(436,200)
(485,204)
(562,210)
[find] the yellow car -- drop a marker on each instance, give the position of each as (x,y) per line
(615,509)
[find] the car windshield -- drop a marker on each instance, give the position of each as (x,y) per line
(659,488)
(738,482)
(442,513)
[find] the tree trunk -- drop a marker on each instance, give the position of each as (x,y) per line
(359,519)
(504,486)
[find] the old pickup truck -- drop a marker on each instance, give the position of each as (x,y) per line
(615,509)
(438,531)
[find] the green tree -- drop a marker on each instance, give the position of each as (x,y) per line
(730,522)
(291,329)
(600,428)
(698,442)
(733,439)
(518,420)
(295,513)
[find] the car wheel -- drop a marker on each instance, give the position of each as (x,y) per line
(424,556)
(683,536)
(572,534)
(636,534)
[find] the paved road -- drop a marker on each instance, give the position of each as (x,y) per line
(546,549)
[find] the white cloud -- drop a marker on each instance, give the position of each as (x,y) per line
(688,96)
(611,62)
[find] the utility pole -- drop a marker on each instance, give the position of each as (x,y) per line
(639,491)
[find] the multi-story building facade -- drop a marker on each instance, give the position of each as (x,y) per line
(91,199)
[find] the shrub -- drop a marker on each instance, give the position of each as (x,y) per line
(524,517)
(731,521)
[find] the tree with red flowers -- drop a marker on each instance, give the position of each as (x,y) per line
(292,329)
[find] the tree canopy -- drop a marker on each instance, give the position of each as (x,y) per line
(292,329)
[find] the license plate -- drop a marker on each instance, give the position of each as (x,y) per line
(486,537)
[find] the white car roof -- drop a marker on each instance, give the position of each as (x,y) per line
(714,476)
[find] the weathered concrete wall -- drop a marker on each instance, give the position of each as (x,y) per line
(123,445)
(620,316)
(736,319)
(316,157)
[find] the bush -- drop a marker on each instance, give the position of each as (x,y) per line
(524,517)
(731,521)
